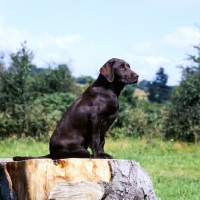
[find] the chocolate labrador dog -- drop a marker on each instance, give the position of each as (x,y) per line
(86,121)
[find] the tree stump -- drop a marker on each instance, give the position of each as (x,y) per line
(74,179)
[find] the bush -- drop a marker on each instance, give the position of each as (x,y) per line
(32,100)
(183,122)
(51,80)
(138,118)
(39,118)
(15,81)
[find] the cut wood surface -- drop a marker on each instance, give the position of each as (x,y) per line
(74,179)
(77,190)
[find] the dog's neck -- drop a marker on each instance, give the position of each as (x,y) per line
(115,86)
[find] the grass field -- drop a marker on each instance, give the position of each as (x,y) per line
(173,167)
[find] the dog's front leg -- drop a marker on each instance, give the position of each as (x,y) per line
(106,123)
(96,146)
(95,127)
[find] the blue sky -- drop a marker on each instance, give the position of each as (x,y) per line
(85,34)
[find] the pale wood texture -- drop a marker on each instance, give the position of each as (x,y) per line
(42,175)
(77,190)
(84,179)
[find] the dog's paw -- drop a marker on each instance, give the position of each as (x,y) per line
(107,156)
(101,156)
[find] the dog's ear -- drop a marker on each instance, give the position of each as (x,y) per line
(107,71)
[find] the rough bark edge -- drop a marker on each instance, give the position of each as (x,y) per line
(6,191)
(131,183)
(144,185)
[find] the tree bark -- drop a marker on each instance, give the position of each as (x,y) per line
(6,191)
(85,179)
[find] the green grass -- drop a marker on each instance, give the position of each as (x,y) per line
(22,147)
(174,167)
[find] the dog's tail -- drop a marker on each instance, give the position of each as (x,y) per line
(20,158)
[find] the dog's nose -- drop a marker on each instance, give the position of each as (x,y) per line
(136,75)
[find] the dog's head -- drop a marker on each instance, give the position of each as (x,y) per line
(118,70)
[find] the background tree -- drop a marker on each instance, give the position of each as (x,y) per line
(57,79)
(2,70)
(16,79)
(183,122)
(85,80)
(158,90)
(15,91)
(32,100)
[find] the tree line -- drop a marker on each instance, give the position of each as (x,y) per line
(33,99)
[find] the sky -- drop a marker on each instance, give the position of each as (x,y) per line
(84,34)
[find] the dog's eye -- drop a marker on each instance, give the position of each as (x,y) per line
(122,66)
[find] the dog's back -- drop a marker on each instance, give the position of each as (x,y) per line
(89,117)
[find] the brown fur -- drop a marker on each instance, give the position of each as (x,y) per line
(86,121)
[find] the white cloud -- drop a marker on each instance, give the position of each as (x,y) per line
(47,48)
(63,42)
(148,59)
(156,60)
(145,57)
(50,50)
(182,38)
(170,51)
(143,48)
(11,38)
